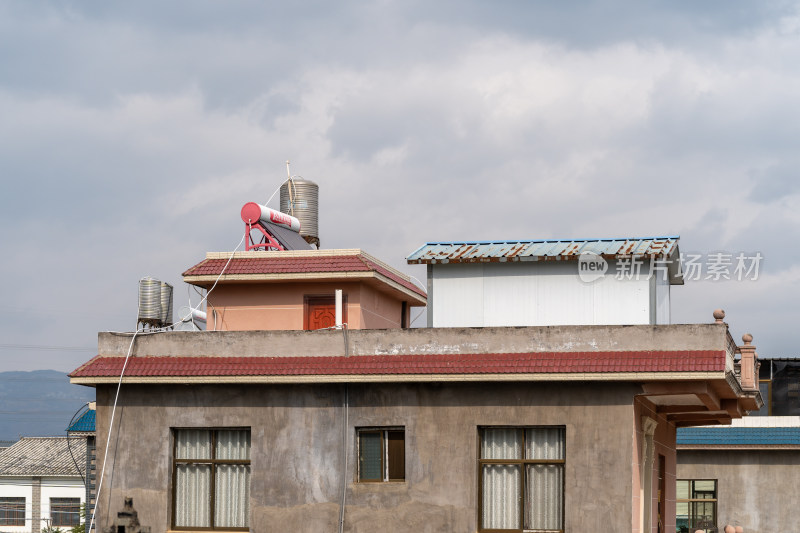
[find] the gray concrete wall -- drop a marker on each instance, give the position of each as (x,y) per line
(757,490)
(297,451)
(421,341)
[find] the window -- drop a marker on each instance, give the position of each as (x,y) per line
(381,455)
(12,511)
(522,479)
(65,511)
(696,506)
(211,478)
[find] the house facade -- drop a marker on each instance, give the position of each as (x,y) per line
(364,425)
(433,429)
(41,484)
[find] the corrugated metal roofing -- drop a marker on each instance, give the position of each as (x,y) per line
(541,250)
(489,363)
(85,423)
(44,456)
(739,436)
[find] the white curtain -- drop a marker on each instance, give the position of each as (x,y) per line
(501,483)
(232,482)
(193,444)
(544,443)
(501,443)
(193,481)
(232,495)
(192,495)
(544,497)
(233,444)
(501,493)
(544,490)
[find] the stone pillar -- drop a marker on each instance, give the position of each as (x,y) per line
(748,364)
(36,504)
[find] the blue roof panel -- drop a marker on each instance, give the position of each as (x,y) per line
(739,436)
(85,422)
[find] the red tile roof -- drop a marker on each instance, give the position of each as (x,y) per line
(493,363)
(295,264)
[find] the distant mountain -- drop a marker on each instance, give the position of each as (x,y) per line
(39,403)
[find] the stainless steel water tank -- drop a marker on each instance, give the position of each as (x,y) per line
(149,301)
(299,198)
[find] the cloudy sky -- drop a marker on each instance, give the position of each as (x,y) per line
(131,133)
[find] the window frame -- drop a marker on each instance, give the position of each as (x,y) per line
(213,462)
(383,431)
(689,501)
(66,507)
(9,508)
(523,473)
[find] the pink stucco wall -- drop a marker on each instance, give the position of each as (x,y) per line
(664,444)
(280,306)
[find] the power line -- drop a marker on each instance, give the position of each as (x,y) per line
(5,346)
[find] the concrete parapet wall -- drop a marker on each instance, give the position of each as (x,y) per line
(421,341)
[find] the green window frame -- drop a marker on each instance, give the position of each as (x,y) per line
(381,455)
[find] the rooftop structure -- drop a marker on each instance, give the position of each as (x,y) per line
(294,290)
(550,282)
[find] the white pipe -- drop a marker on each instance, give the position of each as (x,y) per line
(338,308)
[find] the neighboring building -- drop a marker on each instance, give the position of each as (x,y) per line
(559,428)
(550,282)
(40,484)
(83,428)
(749,472)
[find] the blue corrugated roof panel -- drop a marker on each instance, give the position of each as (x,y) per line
(543,249)
(739,436)
(85,422)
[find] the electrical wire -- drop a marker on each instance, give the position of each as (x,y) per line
(416,317)
(345,431)
(125,365)
(86,406)
(111,426)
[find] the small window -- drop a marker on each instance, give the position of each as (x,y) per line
(696,506)
(211,479)
(65,512)
(12,511)
(381,455)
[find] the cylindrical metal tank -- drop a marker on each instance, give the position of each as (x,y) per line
(149,301)
(166,304)
(299,198)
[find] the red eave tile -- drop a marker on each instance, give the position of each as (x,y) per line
(295,265)
(509,363)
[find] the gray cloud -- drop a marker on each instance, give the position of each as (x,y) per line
(133,133)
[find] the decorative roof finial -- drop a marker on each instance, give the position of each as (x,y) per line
(747,339)
(719,316)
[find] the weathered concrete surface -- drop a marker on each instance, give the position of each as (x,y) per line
(756,489)
(298,456)
(421,341)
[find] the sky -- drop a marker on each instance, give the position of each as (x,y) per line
(131,133)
